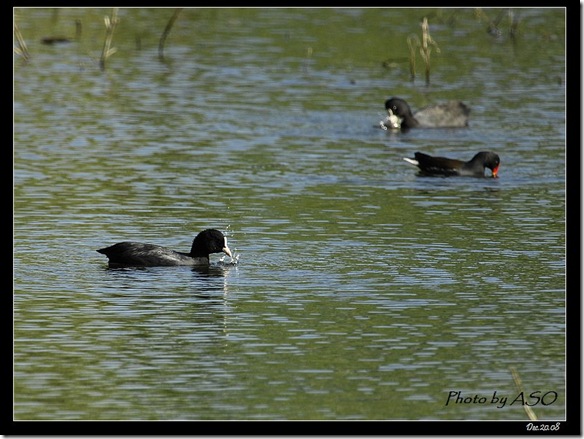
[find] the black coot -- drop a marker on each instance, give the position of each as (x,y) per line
(451,114)
(136,254)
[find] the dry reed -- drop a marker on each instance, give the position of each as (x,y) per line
(517,380)
(22,49)
(110,25)
(425,48)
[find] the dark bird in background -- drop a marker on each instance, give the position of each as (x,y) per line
(442,166)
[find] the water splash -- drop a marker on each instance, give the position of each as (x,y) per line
(234,260)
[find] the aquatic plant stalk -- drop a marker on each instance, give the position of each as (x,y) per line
(413,42)
(426,48)
(169,25)
(530,414)
(22,49)
(110,26)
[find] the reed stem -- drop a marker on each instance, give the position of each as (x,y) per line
(530,414)
(413,42)
(110,26)
(164,35)
(426,48)
(22,49)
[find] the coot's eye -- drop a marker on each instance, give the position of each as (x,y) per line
(394,107)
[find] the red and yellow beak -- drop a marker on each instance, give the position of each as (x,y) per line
(495,171)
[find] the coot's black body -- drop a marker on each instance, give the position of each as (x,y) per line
(137,254)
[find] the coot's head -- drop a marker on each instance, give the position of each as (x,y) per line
(397,107)
(210,241)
